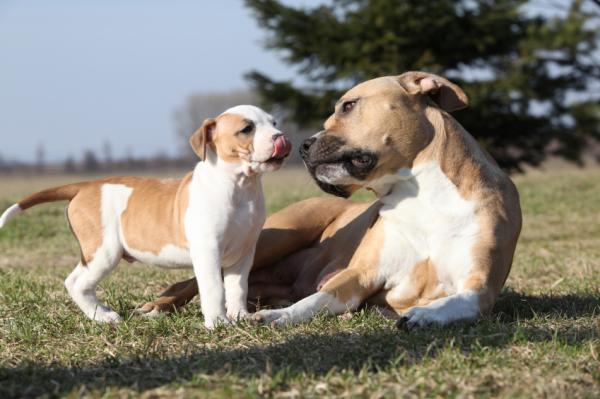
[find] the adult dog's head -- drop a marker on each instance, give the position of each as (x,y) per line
(377,128)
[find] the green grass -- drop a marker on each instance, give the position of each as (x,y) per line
(542,340)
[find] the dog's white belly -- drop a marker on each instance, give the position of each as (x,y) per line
(170,256)
(425,217)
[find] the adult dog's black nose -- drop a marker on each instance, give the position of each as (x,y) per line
(305,146)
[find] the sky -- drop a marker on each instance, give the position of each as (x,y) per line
(75,74)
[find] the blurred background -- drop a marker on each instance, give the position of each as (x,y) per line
(103,87)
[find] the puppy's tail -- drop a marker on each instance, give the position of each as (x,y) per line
(60,193)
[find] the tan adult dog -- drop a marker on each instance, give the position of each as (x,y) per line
(210,219)
(436,246)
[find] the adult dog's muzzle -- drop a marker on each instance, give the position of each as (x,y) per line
(334,168)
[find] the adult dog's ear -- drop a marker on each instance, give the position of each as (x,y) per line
(444,93)
(202,137)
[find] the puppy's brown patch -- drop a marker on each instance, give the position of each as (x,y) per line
(155,212)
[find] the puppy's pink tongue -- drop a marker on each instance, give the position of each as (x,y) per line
(281,147)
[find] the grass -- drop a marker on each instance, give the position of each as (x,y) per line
(543,340)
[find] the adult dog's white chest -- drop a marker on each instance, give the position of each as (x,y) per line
(425,217)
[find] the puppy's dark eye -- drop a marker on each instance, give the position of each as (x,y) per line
(247,129)
(347,106)
(274,123)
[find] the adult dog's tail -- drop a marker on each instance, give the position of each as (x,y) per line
(60,193)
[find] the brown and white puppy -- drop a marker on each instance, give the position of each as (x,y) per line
(437,245)
(210,219)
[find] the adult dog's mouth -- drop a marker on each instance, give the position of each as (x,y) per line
(337,190)
(337,169)
(340,175)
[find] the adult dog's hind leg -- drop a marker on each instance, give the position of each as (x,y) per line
(172,298)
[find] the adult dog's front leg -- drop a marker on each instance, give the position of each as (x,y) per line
(206,259)
(345,291)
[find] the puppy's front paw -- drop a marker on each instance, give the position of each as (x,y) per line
(212,322)
(275,317)
(105,315)
(238,315)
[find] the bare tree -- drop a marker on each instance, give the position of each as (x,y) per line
(201,106)
(108,155)
(4,165)
(40,158)
(69,165)
(90,162)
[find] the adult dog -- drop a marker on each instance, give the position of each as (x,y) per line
(437,245)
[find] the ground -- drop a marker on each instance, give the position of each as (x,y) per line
(543,339)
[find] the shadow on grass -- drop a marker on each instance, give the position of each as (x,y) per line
(513,306)
(315,353)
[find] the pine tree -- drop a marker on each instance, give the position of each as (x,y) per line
(529,75)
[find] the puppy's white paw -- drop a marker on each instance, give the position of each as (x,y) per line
(107,316)
(238,315)
(212,322)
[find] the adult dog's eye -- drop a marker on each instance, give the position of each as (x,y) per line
(274,123)
(247,129)
(361,161)
(347,106)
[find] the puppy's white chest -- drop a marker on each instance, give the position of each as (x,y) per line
(241,233)
(426,217)
(228,213)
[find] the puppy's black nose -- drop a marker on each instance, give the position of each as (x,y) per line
(306,146)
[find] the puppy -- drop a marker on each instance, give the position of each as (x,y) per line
(210,219)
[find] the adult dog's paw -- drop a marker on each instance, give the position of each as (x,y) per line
(147,310)
(153,309)
(274,317)
(419,317)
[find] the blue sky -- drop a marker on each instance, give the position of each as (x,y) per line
(74,74)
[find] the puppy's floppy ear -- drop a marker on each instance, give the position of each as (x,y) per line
(444,93)
(202,137)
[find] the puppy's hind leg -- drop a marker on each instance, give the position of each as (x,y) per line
(81,285)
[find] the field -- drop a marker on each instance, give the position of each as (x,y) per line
(543,339)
